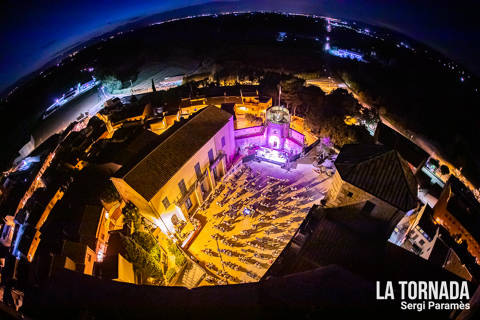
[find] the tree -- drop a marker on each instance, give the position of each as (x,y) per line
(145,240)
(341,102)
(269,82)
(341,134)
(326,115)
(109,193)
(153,87)
(111,84)
(444,169)
(170,273)
(131,215)
(179,257)
(311,97)
(141,259)
(291,89)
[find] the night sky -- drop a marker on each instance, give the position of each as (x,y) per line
(33,32)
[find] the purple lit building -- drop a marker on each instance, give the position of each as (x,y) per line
(274,141)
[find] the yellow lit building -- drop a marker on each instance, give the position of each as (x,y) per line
(117,268)
(253,104)
(189,106)
(81,255)
(171,181)
(36,240)
(166,122)
(249,102)
(117,118)
(30,219)
(459,212)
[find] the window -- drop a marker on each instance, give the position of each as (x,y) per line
(210,156)
(349,194)
(166,203)
(188,203)
(223,141)
(89,257)
(198,171)
(422,242)
(183,187)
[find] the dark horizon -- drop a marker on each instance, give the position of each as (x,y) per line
(451,31)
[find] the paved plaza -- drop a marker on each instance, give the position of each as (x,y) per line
(251,216)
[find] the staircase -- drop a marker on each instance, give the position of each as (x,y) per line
(191,276)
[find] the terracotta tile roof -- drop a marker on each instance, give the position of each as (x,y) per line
(379,171)
(407,149)
(343,236)
(154,170)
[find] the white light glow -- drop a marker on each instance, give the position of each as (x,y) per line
(271,154)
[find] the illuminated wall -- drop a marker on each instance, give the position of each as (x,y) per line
(454,227)
(275,134)
(223,146)
(342,193)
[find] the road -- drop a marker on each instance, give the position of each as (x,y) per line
(423,143)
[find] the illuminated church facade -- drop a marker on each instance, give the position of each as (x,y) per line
(171,181)
(274,141)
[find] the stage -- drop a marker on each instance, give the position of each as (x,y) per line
(272,155)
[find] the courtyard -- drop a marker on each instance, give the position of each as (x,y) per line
(251,216)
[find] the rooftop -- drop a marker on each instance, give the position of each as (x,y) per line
(122,149)
(126,112)
(342,236)
(426,222)
(380,171)
(463,205)
(151,172)
(327,290)
(406,148)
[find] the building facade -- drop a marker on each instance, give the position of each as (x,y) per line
(377,176)
(279,140)
(176,177)
(459,212)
